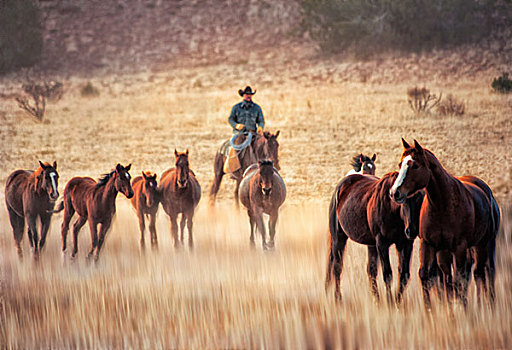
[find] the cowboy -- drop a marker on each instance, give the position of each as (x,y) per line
(246,117)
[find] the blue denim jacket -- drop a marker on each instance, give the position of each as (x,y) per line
(247,113)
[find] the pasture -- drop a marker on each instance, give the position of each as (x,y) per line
(223,293)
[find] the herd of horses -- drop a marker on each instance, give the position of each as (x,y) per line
(456,218)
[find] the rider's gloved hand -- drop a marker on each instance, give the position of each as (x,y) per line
(239,126)
(259,130)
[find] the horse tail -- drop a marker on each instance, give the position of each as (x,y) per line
(60,207)
(334,229)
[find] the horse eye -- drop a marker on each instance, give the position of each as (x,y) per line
(415,166)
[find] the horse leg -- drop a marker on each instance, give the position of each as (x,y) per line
(272,228)
(445,262)
(76,228)
(142,227)
(405,252)
(174,229)
(152,230)
(32,227)
(338,243)
(252,223)
(45,226)
(30,238)
(479,273)
(387,272)
(93,226)
(182,227)
(18,226)
(372,269)
(190,224)
(218,173)
(461,280)
(258,217)
(237,187)
(103,232)
(69,211)
(426,260)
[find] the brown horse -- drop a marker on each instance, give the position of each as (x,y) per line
(361,210)
(264,146)
(29,195)
(145,201)
(459,218)
(262,190)
(180,193)
(93,201)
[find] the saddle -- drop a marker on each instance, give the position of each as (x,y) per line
(232,162)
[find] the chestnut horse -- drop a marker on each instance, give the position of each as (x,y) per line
(180,193)
(262,190)
(93,201)
(362,164)
(361,210)
(29,195)
(459,218)
(264,146)
(145,201)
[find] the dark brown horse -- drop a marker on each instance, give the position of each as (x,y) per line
(93,201)
(29,195)
(264,146)
(262,190)
(180,193)
(459,222)
(145,201)
(362,164)
(361,210)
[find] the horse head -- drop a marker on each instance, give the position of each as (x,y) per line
(47,179)
(410,213)
(150,188)
(266,171)
(122,180)
(267,147)
(414,172)
(182,168)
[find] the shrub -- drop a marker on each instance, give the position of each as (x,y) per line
(421,100)
(451,106)
(89,90)
(21,34)
(410,25)
(502,84)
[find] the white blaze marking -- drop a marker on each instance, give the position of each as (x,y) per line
(402,173)
(370,166)
(127,176)
(54,184)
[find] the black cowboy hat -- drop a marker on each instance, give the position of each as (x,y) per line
(247,91)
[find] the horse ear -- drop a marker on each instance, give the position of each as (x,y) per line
(175,152)
(41,164)
(127,168)
(186,152)
(374,157)
(418,146)
(405,144)
(55,165)
(277,133)
(118,167)
(144,175)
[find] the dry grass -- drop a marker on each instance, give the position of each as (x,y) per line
(223,294)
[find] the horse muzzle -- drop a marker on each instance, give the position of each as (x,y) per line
(410,234)
(397,196)
(129,194)
(54,196)
(266,191)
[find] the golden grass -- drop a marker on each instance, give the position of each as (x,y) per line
(225,294)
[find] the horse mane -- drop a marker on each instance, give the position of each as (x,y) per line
(104,179)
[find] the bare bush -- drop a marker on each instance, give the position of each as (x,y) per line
(451,106)
(421,100)
(89,90)
(39,94)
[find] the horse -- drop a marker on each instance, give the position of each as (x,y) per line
(145,201)
(262,190)
(264,146)
(180,193)
(29,195)
(361,209)
(459,223)
(93,201)
(362,164)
